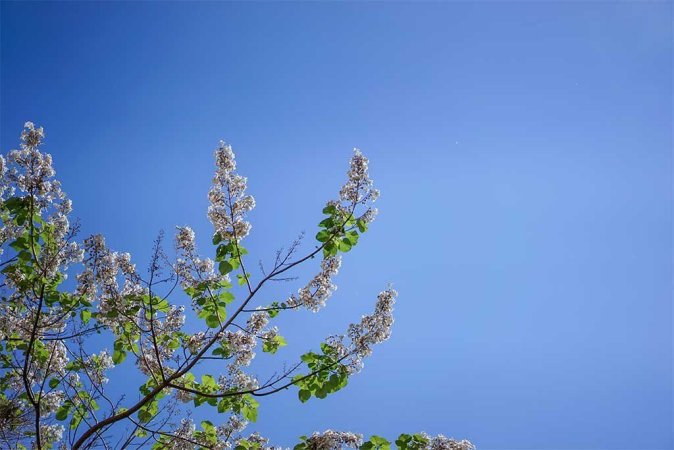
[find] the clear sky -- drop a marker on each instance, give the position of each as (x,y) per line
(523,151)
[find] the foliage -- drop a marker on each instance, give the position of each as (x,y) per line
(53,387)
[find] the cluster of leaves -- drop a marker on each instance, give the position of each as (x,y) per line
(228,256)
(79,410)
(339,231)
(326,374)
(272,345)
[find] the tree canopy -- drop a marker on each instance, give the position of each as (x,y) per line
(53,384)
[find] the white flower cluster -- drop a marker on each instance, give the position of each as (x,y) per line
(49,434)
(441,442)
(195,341)
(375,328)
(269,334)
(3,171)
(256,438)
(257,321)
(56,363)
(229,202)
(97,365)
(31,172)
(318,290)
(235,424)
(186,438)
(185,239)
(241,344)
(371,330)
(184,396)
(237,380)
(182,437)
(147,361)
(99,280)
(174,320)
(358,189)
(18,318)
(51,401)
(333,440)
(258,441)
(191,269)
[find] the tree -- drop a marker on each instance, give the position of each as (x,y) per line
(53,386)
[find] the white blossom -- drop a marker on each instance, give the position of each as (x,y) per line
(97,365)
(441,442)
(237,380)
(189,267)
(314,295)
(27,173)
(185,239)
(235,424)
(195,341)
(257,321)
(333,440)
(229,203)
(182,437)
(372,329)
(49,434)
(58,359)
(241,344)
(173,321)
(51,401)
(184,396)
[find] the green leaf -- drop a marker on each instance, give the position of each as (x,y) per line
(20,244)
(308,357)
(272,345)
(144,416)
(345,245)
(54,382)
(249,410)
(327,223)
(304,395)
(273,312)
(208,382)
(212,321)
(362,225)
(62,412)
(224,405)
(118,356)
(85,315)
(322,392)
(380,441)
(13,204)
(226,297)
(225,267)
(242,279)
(322,236)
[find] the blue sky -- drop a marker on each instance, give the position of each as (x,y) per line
(523,150)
